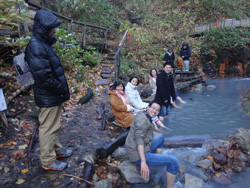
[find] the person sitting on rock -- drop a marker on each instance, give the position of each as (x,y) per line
(120,106)
(152,80)
(133,94)
(145,150)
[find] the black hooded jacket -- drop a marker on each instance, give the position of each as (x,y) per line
(165,88)
(50,88)
(185,52)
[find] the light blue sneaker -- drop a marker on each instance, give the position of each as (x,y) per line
(57,165)
(64,153)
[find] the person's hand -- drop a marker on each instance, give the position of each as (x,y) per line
(182,57)
(165,101)
(144,169)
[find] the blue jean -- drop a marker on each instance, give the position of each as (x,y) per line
(164,111)
(154,159)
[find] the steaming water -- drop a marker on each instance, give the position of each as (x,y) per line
(209,111)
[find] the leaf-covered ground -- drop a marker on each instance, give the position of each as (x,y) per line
(80,131)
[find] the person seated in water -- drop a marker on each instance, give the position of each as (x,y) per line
(120,106)
(152,80)
(133,94)
(145,150)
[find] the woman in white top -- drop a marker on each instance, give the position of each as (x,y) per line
(152,80)
(133,94)
(135,100)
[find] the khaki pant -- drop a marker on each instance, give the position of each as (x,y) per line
(50,123)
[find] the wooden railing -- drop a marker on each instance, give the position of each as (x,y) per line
(223,23)
(117,56)
(71,21)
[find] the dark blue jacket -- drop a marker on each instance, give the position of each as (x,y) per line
(165,88)
(50,88)
(169,58)
(185,52)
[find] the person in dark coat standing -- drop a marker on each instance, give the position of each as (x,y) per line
(50,88)
(169,56)
(185,53)
(165,89)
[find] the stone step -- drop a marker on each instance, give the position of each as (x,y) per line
(106,76)
(105,62)
(106,69)
(106,72)
(110,58)
(112,54)
(102,82)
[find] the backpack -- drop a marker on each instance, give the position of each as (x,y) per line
(23,74)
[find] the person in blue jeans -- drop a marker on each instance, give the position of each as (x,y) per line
(145,150)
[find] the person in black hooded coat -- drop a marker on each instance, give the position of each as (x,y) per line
(50,88)
(185,53)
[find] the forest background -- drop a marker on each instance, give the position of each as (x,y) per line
(153,26)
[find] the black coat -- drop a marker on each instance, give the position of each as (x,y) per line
(165,88)
(50,88)
(169,58)
(185,52)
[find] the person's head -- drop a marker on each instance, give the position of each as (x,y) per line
(52,32)
(45,23)
(167,67)
(184,45)
(170,49)
(153,108)
(153,72)
(118,85)
(134,80)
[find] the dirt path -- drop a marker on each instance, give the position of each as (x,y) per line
(80,131)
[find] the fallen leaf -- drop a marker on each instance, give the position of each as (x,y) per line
(218,175)
(6,169)
(24,171)
(23,146)
(56,183)
(20,181)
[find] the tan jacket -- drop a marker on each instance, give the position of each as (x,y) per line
(119,109)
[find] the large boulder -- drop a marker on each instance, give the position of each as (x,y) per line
(243,139)
(192,181)
(131,173)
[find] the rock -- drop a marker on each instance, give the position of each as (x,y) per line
(214,144)
(89,157)
(191,158)
(211,87)
(205,163)
(145,90)
(105,183)
(198,87)
(199,172)
(131,173)
(120,154)
(222,178)
(101,82)
(192,181)
(182,168)
(243,139)
(218,157)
